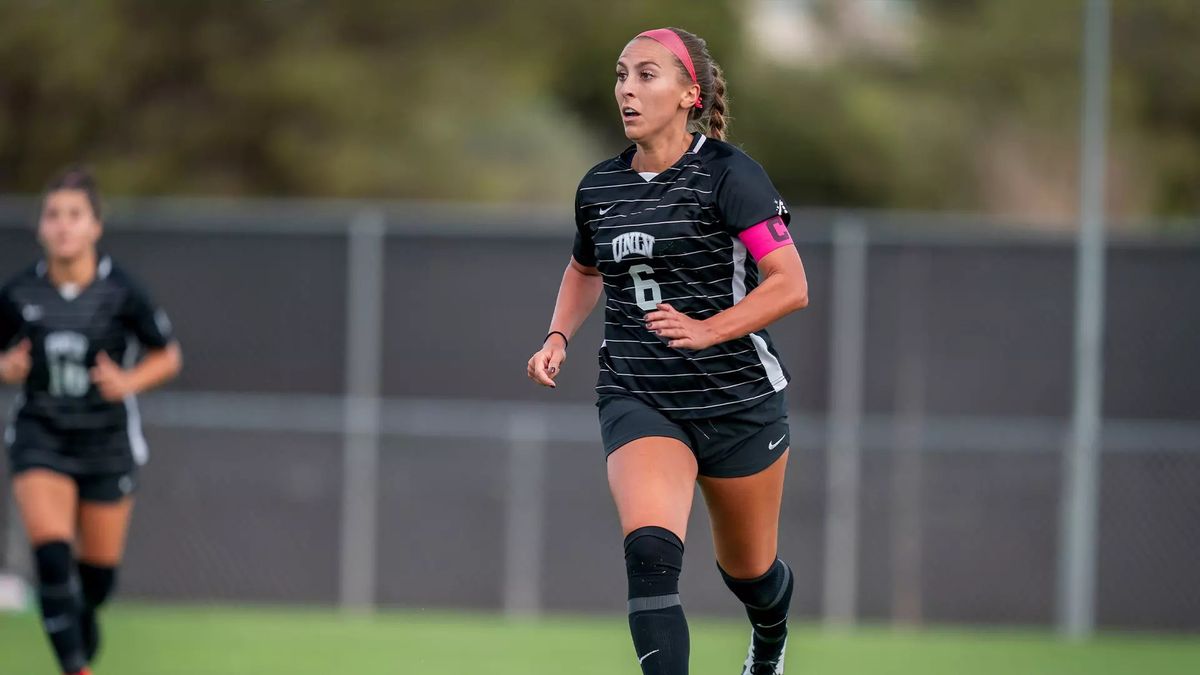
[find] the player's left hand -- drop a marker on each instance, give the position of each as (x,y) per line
(681,330)
(112,380)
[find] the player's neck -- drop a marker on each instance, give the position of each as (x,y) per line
(659,153)
(78,271)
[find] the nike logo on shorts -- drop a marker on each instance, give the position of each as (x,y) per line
(602,212)
(772,446)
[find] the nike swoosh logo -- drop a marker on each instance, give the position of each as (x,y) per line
(771,446)
(602,212)
(643,658)
(772,625)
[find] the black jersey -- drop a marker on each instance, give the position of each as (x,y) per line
(112,314)
(673,238)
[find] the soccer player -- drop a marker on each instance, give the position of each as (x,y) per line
(688,240)
(70,329)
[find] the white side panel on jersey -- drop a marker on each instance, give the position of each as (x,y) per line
(771,364)
(133,416)
(739,270)
(774,371)
(10,430)
(137,441)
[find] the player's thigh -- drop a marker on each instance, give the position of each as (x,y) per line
(103,529)
(47,501)
(652,480)
(744,512)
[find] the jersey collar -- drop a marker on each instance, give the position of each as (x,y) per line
(698,139)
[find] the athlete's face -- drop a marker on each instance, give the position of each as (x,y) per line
(68,227)
(652,95)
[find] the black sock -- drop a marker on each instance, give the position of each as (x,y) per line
(653,561)
(59,593)
(98,583)
(767,599)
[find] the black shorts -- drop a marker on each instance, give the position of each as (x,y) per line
(741,443)
(101,462)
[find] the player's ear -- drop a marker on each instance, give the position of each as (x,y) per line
(689,97)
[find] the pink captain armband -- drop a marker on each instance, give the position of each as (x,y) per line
(765,237)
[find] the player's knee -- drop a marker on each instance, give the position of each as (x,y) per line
(98,583)
(769,590)
(54,562)
(653,561)
(747,567)
(57,589)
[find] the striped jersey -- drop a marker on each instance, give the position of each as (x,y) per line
(673,238)
(67,330)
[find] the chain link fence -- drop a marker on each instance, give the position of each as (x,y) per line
(460,485)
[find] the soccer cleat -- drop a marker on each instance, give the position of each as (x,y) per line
(764,665)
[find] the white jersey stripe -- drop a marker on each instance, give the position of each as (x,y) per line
(716,282)
(620,185)
(722,372)
(718,405)
(676,358)
(675,205)
(660,222)
(676,299)
(681,391)
(699,236)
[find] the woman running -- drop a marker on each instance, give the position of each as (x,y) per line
(688,239)
(70,328)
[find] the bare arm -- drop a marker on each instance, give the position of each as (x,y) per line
(15,363)
(577,295)
(158,367)
(783,290)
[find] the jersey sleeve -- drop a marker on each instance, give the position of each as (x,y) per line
(146,320)
(584,251)
(745,196)
(10,319)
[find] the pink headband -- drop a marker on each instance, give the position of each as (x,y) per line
(667,38)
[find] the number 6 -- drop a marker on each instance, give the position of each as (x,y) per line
(640,286)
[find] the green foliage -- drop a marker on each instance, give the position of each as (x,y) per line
(462,99)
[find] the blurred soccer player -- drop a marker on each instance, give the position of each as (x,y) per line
(74,437)
(688,239)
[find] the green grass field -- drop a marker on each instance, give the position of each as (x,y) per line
(147,640)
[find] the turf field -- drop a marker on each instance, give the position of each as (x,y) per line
(145,640)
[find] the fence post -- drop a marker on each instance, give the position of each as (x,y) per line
(360,460)
(523,537)
(848,328)
(1081,461)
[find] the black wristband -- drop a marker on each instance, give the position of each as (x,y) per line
(566,342)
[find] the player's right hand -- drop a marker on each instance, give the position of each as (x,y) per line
(545,365)
(16,362)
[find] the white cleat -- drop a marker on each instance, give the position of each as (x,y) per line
(762,667)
